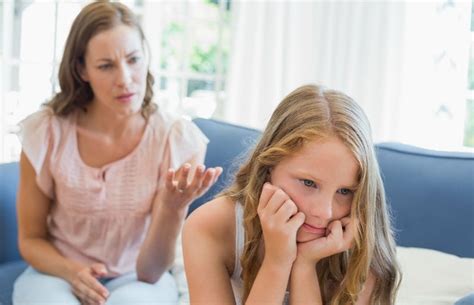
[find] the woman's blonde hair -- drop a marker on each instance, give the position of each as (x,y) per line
(75,93)
(308,113)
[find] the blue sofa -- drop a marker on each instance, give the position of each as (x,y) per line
(430,194)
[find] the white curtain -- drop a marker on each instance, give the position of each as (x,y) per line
(404,62)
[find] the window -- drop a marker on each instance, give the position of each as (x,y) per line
(189,43)
(469,125)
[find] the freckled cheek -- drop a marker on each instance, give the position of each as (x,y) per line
(343,208)
(300,200)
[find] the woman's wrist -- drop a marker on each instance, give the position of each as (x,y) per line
(171,210)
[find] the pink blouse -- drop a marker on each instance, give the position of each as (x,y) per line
(102,214)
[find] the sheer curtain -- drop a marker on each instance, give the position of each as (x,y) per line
(404,62)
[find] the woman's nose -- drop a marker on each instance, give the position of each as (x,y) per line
(124,75)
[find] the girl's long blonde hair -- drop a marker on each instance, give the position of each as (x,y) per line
(308,113)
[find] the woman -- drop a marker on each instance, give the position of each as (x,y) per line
(307,212)
(106,177)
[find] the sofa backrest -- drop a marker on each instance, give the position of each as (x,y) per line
(430,193)
(8,230)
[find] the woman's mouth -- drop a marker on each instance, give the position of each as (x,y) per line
(125,98)
(313,230)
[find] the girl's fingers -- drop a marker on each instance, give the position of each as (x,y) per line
(286,210)
(297,220)
(335,229)
(349,230)
(265,195)
(278,198)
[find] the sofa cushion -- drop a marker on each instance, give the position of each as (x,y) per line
(431,277)
(8,273)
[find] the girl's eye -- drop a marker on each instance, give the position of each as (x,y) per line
(308,183)
(345,191)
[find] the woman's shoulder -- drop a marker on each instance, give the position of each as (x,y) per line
(166,123)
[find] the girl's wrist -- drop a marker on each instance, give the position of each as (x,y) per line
(305,263)
(277,265)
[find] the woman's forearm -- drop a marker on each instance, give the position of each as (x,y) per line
(44,257)
(158,249)
(304,285)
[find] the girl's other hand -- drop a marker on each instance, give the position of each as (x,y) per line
(339,238)
(87,288)
(280,222)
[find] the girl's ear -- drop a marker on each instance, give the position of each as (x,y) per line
(268,178)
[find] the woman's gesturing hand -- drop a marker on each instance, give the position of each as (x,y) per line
(280,222)
(87,288)
(180,190)
(339,237)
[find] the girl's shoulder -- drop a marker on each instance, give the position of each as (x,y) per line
(215,218)
(214,224)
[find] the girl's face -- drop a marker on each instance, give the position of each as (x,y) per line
(321,180)
(116,69)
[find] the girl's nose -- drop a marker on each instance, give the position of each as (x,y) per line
(323,207)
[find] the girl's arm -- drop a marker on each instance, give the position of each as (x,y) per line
(304,284)
(366,293)
(169,210)
(208,249)
(280,221)
(33,208)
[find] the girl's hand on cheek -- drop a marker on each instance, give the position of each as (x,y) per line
(339,237)
(280,222)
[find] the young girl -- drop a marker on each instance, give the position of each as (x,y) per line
(305,221)
(99,209)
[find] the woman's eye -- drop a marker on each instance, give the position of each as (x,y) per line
(105,67)
(345,191)
(134,59)
(308,183)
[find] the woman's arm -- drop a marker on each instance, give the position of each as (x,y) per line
(33,208)
(169,210)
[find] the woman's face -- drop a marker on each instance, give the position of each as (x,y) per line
(321,179)
(116,69)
